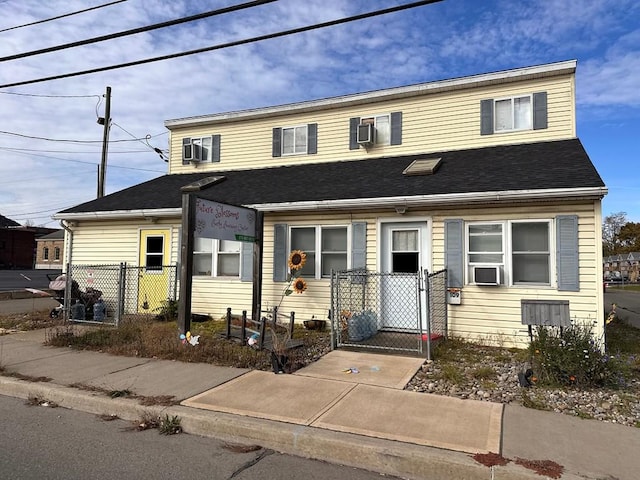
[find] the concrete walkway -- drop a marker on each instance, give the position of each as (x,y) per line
(363,420)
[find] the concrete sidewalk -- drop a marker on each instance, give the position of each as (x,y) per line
(363,420)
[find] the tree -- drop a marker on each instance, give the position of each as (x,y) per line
(629,237)
(611,226)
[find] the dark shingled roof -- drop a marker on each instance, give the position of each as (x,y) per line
(7,222)
(531,166)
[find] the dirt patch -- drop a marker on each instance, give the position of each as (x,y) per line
(547,468)
(490,459)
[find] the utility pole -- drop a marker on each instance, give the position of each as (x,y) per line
(106,121)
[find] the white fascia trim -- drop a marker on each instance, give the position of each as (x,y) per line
(591,193)
(121,214)
(505,76)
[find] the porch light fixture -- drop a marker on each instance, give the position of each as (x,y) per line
(401,209)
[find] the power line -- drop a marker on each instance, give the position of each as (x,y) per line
(50,96)
(135,31)
(66,140)
(87,163)
(15,149)
(61,16)
(229,44)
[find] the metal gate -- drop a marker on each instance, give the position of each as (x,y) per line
(395,312)
(106,294)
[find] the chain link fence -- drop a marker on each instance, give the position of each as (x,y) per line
(107,294)
(398,312)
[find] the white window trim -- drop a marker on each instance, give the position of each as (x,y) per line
(215,252)
(197,141)
(294,128)
(513,129)
(507,252)
(318,246)
(374,119)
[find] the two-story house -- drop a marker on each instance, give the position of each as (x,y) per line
(481,175)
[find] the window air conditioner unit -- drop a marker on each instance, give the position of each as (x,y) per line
(365,134)
(486,275)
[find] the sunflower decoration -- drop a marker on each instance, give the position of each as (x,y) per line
(299,285)
(297,259)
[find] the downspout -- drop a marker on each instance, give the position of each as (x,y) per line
(67,265)
(70,232)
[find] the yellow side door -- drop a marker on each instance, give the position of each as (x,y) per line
(153,287)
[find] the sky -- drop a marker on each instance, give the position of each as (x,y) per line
(51,143)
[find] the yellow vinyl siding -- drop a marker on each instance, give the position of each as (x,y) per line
(431,122)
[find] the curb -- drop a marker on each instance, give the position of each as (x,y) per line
(373,454)
(22,294)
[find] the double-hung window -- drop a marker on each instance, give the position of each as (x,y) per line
(530,253)
(513,114)
(381,128)
(325,247)
(56,253)
(201,149)
(45,253)
(216,258)
(520,249)
(294,140)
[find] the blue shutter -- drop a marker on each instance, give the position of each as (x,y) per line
(540,110)
(215,148)
(454,252)
(353,133)
(280,252)
(567,253)
(359,245)
(396,128)
(486,117)
(277,143)
(246,260)
(312,138)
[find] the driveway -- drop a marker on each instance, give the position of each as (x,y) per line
(627,304)
(13,280)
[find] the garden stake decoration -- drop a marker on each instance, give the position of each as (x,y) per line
(281,336)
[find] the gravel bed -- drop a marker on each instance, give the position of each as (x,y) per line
(497,381)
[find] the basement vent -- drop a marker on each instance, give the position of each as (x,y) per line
(425,166)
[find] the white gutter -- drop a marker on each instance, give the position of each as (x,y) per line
(584,193)
(149,214)
(592,193)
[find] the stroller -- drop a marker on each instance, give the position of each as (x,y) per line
(82,303)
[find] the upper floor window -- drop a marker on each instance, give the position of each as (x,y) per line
(295,140)
(216,258)
(201,149)
(375,130)
(525,112)
(513,114)
(45,253)
(56,253)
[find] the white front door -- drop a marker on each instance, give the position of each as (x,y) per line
(403,250)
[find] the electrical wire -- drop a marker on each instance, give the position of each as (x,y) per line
(49,96)
(135,31)
(229,44)
(66,140)
(62,16)
(87,163)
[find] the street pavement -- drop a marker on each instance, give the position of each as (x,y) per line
(362,420)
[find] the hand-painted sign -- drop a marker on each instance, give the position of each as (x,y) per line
(224,222)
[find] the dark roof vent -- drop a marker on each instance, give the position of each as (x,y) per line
(423,166)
